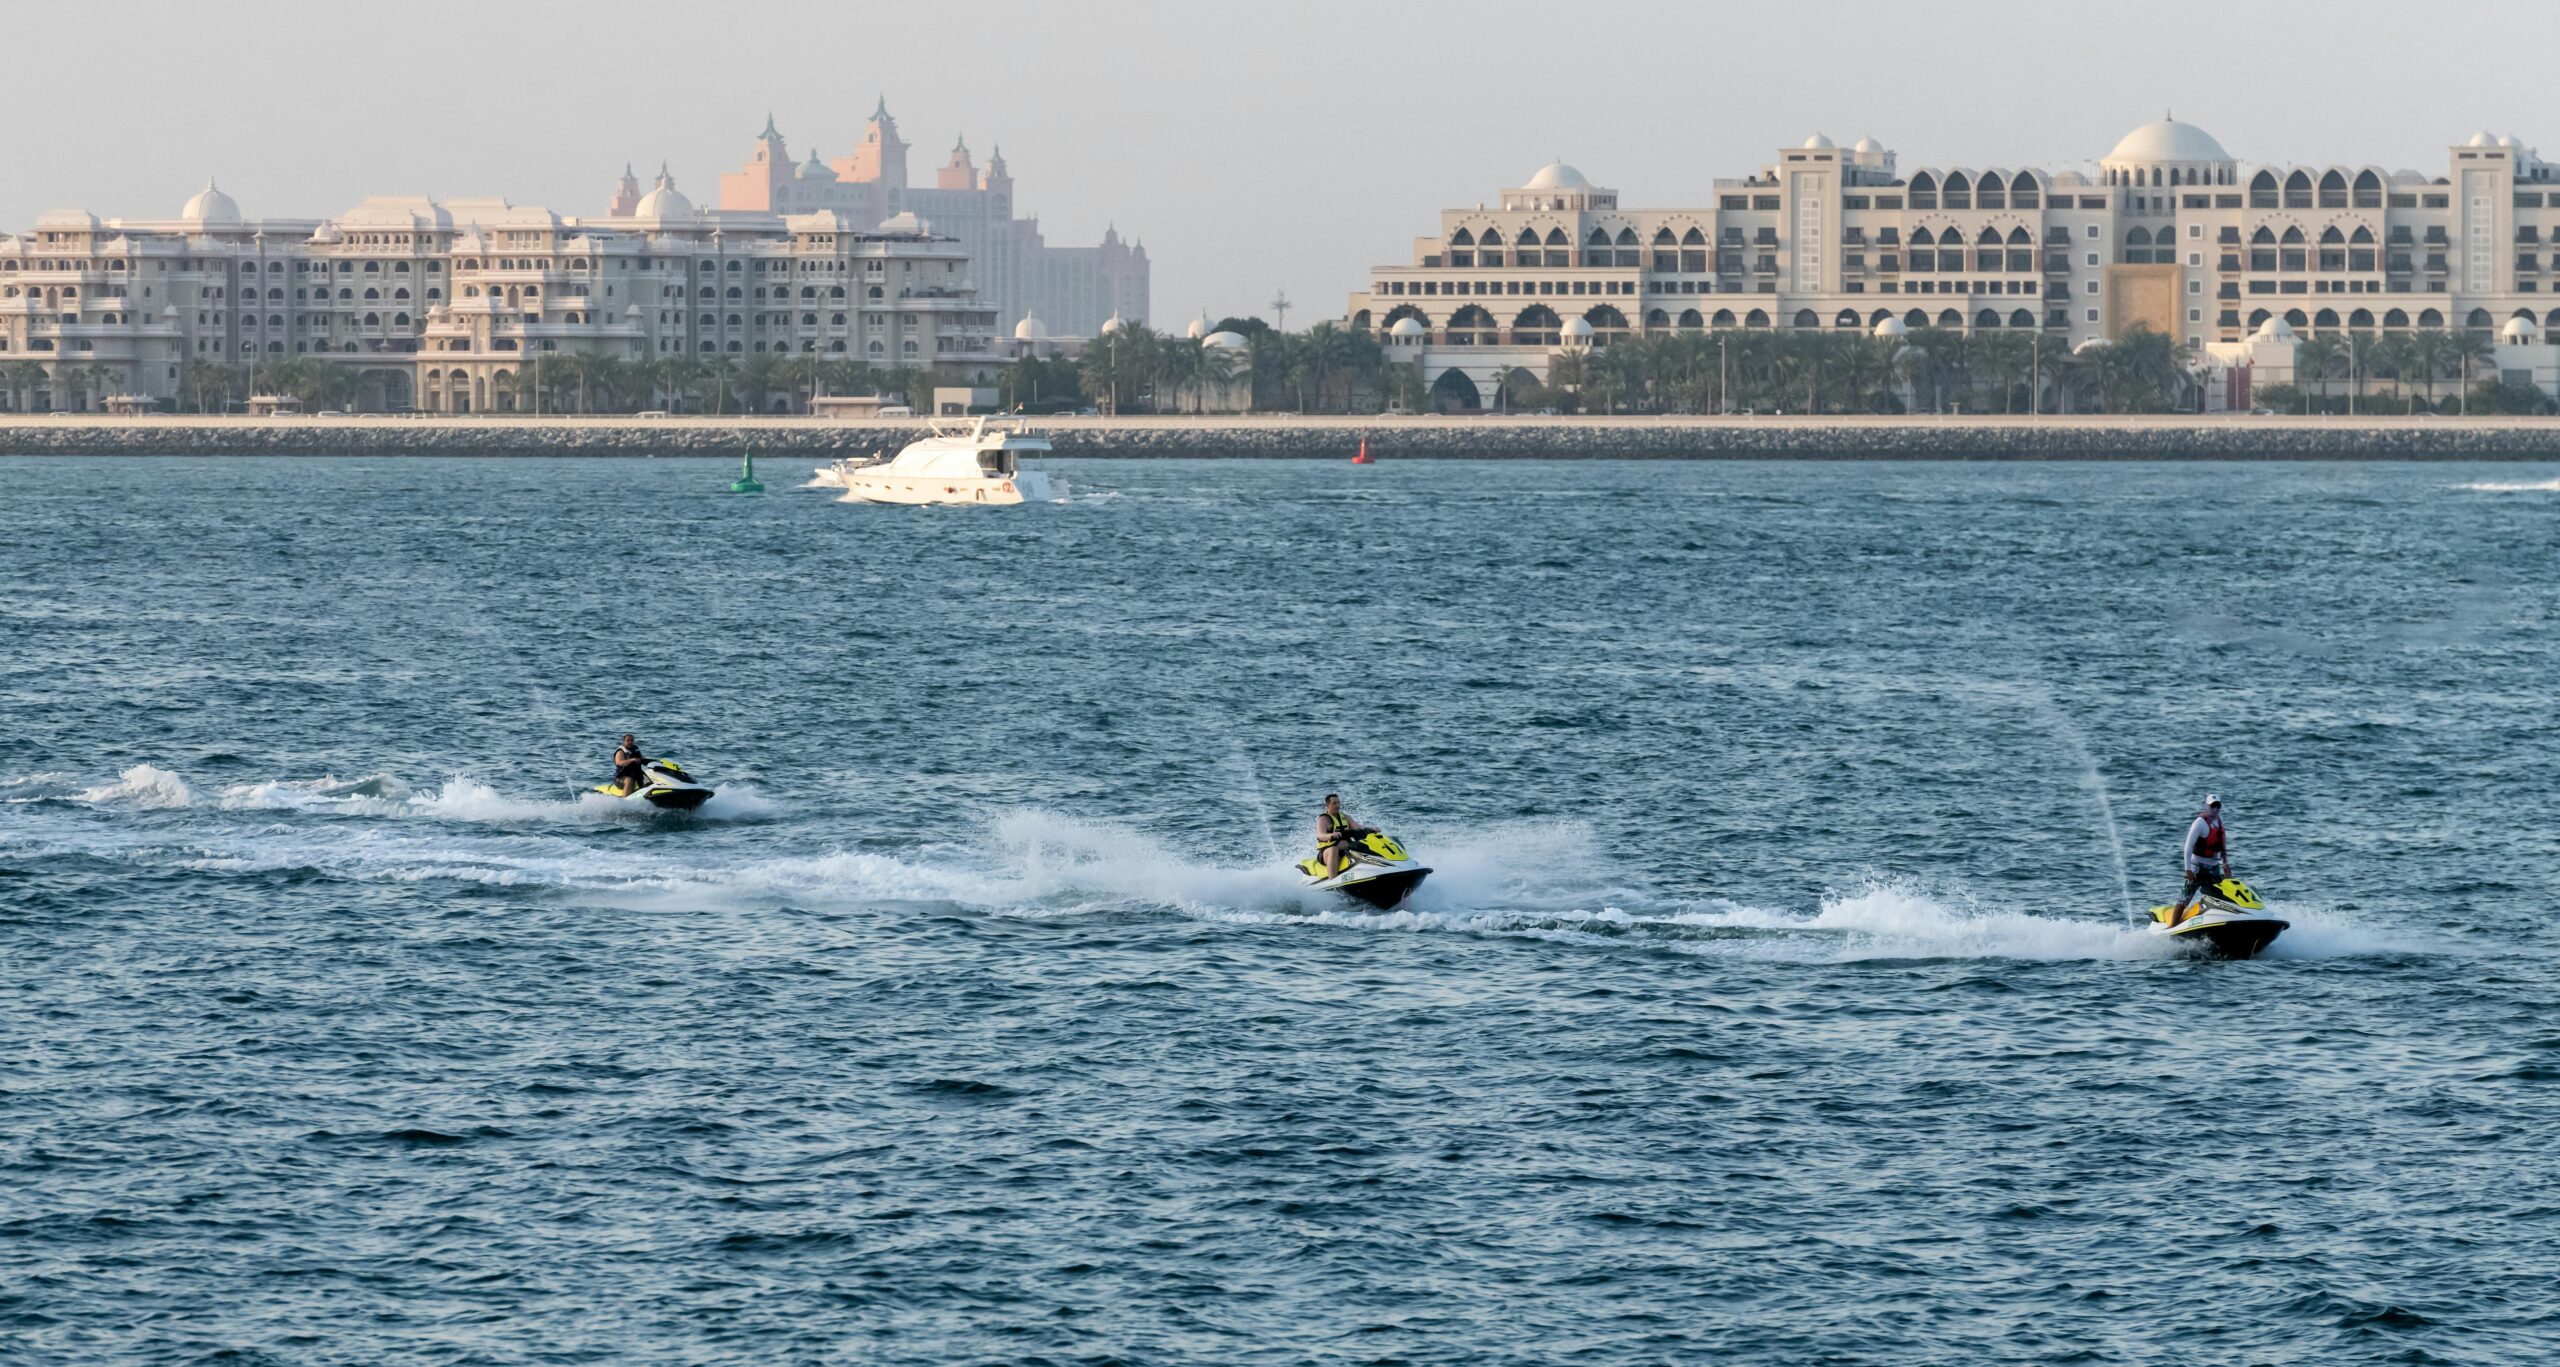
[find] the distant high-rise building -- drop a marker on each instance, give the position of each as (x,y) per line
(1071,290)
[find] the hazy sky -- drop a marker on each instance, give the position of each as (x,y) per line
(1253,147)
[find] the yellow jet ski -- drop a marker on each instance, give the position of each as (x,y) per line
(1377,872)
(2227,922)
(669,788)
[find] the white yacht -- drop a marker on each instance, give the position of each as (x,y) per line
(977,461)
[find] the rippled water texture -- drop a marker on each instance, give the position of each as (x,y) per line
(1775,1001)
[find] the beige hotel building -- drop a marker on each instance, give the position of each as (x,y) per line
(2237,259)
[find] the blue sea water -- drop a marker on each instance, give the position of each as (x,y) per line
(1777,998)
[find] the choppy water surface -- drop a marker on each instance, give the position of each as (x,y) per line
(1776,1000)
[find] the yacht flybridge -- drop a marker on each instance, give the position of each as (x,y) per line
(978,460)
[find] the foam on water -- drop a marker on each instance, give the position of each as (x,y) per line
(2548,486)
(144,786)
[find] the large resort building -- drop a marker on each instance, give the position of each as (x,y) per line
(1071,290)
(441,306)
(2169,232)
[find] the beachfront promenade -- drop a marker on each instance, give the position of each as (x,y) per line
(2218,437)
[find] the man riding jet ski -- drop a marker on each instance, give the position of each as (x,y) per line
(2228,919)
(661,783)
(1360,860)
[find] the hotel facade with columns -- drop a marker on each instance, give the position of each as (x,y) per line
(2168,231)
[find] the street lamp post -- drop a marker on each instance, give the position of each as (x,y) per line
(1724,394)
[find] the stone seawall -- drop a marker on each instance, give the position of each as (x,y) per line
(1330,439)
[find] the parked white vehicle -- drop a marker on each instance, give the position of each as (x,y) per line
(976,461)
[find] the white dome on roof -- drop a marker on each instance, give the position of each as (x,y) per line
(1867,145)
(2167,140)
(1818,143)
(1030,329)
(814,169)
(2275,329)
(2506,140)
(210,206)
(1199,327)
(1892,327)
(2519,330)
(664,202)
(1111,324)
(1407,328)
(1233,341)
(326,235)
(1577,329)
(2481,139)
(1555,175)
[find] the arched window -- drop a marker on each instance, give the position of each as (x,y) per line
(402,320)
(1916,319)
(1988,237)
(1528,238)
(2020,237)
(2262,190)
(1755,319)
(2395,318)
(2325,319)
(373,320)
(1690,321)
(1724,318)
(372,293)
(1988,318)
(1922,237)
(2297,191)
(1537,325)
(1949,318)
(1556,238)
(2368,190)
(2333,191)
(2362,237)
(1924,191)
(2024,193)
(2257,316)
(2022,318)
(1473,326)
(1992,192)
(1959,191)
(1807,318)
(1848,319)
(1462,238)
(1657,318)
(1693,238)
(2479,319)
(2360,318)
(836,319)
(808,320)
(2430,318)
(2297,318)
(1662,237)
(2330,236)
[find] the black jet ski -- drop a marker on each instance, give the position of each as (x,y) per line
(669,787)
(2227,922)
(1377,872)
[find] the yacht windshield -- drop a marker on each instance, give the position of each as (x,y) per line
(996,462)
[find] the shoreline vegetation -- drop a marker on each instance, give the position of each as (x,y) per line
(1265,436)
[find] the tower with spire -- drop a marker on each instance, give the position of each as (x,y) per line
(764,183)
(880,159)
(626,196)
(957,173)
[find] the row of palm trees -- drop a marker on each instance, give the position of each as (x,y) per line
(573,382)
(2407,360)
(1924,370)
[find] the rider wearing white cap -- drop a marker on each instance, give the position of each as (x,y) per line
(2207,856)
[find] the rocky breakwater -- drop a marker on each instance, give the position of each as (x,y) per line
(2192,438)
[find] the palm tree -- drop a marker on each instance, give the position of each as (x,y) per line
(2390,354)
(720,375)
(2431,350)
(674,376)
(2314,358)
(2003,358)
(24,377)
(205,382)
(2466,350)
(1506,378)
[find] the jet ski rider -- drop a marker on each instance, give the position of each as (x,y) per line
(628,764)
(1335,832)
(2207,856)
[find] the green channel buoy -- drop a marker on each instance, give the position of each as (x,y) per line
(746,482)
